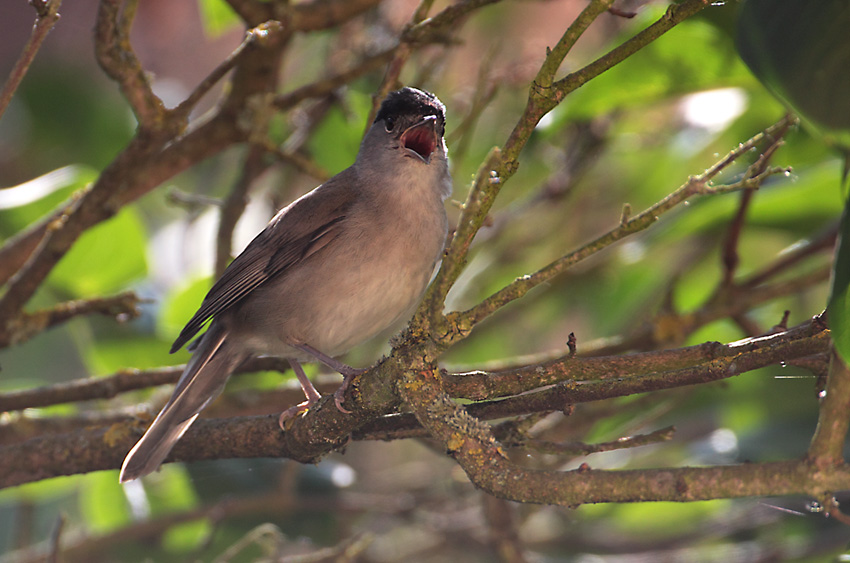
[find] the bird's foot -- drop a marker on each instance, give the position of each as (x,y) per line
(289,415)
(339,394)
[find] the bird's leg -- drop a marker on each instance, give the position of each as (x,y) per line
(332,363)
(309,391)
(346,370)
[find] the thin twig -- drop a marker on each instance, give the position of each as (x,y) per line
(257,35)
(429,30)
(480,196)
(730,245)
(301,163)
(329,84)
(106,387)
(91,547)
(696,185)
(234,205)
(503,529)
(47,16)
(733,234)
(56,539)
(801,250)
(485,91)
(581,449)
(544,95)
(122,307)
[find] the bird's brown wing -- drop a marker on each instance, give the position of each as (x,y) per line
(304,227)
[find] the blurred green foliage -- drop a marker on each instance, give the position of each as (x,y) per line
(217,16)
(648,147)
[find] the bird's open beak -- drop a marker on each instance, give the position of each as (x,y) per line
(421,139)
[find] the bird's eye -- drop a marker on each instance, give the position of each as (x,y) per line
(389,123)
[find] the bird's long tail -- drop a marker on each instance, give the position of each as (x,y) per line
(202,380)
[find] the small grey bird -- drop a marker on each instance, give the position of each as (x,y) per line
(331,270)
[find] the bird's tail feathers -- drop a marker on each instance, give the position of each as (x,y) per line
(202,380)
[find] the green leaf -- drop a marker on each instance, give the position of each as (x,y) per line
(188,535)
(106,356)
(179,307)
(170,489)
(105,259)
(839,300)
(664,68)
(337,138)
(102,502)
(43,491)
(799,52)
(661,519)
(217,17)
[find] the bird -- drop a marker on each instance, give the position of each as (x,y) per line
(339,265)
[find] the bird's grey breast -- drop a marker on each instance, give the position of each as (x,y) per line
(366,279)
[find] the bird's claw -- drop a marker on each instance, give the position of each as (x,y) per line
(339,398)
(287,416)
(339,394)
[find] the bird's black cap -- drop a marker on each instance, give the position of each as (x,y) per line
(411,102)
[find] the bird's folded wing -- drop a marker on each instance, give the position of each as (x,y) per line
(309,224)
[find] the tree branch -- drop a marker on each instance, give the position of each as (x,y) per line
(827,446)
(234,205)
(324,428)
(581,449)
(472,445)
(696,185)
(119,62)
(122,307)
(544,95)
(47,14)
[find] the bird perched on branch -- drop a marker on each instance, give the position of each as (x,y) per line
(339,265)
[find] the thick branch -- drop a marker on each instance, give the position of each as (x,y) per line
(325,428)
(827,447)
(470,442)
(711,361)
(139,168)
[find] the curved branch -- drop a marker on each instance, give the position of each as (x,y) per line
(472,445)
(119,62)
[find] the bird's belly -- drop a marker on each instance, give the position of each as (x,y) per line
(372,303)
(335,308)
